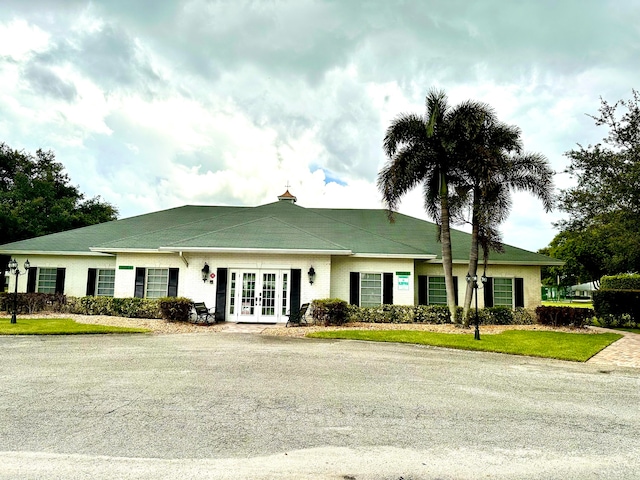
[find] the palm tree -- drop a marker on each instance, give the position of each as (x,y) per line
(494,166)
(420,150)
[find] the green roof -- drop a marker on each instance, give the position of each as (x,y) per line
(278,227)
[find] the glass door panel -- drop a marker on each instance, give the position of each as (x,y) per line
(248,298)
(268,294)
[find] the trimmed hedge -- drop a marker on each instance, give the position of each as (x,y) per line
(175,309)
(564,316)
(33,302)
(438,314)
(617,304)
(330,311)
(119,307)
(624,281)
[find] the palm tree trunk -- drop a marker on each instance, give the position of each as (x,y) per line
(473,256)
(445,240)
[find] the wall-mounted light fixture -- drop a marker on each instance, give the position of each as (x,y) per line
(205,272)
(312,275)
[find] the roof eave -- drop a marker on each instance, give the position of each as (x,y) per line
(276,251)
(410,256)
(92,253)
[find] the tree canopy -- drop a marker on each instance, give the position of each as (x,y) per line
(37,198)
(463,157)
(601,235)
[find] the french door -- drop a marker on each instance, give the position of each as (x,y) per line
(258,296)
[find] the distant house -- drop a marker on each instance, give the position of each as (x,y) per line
(255,263)
(583,290)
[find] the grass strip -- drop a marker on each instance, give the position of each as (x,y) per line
(58,326)
(628,329)
(576,347)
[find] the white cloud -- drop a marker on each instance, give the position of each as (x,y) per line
(227,102)
(19,39)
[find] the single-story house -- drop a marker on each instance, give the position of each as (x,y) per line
(253,264)
(583,290)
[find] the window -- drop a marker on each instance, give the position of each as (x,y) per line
(47,280)
(157,282)
(106,280)
(370,289)
(437,291)
(503,292)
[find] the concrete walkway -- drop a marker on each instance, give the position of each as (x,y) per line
(623,353)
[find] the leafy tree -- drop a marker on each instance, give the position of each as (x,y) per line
(601,234)
(422,150)
(36,198)
(492,165)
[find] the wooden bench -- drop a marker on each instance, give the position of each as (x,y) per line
(203,314)
(297,317)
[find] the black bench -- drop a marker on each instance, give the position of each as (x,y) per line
(297,317)
(203,314)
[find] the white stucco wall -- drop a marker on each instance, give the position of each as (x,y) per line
(529,274)
(190,282)
(77,268)
(343,266)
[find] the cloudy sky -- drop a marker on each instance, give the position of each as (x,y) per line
(154,104)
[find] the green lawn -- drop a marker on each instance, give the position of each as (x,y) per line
(577,347)
(627,329)
(567,303)
(58,326)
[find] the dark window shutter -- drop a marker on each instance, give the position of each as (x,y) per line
(423,288)
(387,288)
(172,290)
(354,288)
(91,282)
(139,289)
(519,292)
(60,274)
(488,293)
(455,288)
(221,294)
(32,278)
(296,282)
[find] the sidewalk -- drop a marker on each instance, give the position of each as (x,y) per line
(623,353)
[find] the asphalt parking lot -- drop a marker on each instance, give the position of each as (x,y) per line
(251,406)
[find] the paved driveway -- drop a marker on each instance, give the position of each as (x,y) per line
(249,406)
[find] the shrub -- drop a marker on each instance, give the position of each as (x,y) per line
(624,281)
(383,314)
(119,307)
(496,316)
(330,311)
(32,302)
(436,314)
(617,303)
(523,316)
(564,316)
(175,309)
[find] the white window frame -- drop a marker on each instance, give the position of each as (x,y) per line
(363,279)
(40,286)
(156,291)
(496,280)
(429,300)
(108,287)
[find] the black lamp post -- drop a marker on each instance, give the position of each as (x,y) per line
(13,267)
(474,279)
